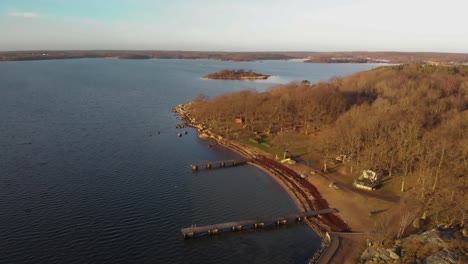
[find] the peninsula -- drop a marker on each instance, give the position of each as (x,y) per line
(322,138)
(236,75)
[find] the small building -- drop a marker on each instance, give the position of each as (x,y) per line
(364,184)
(342,158)
(239,120)
(368,180)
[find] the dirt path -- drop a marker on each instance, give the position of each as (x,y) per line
(344,248)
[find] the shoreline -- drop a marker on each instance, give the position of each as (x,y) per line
(283,185)
(304,195)
(361,57)
(243,78)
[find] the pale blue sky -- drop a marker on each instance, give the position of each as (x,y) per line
(236,25)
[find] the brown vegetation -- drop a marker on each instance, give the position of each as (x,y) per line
(406,121)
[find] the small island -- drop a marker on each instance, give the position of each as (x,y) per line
(236,75)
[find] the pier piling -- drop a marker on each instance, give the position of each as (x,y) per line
(219,164)
(239,225)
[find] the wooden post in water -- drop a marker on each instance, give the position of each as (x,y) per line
(213,232)
(259,225)
(281,222)
(236,228)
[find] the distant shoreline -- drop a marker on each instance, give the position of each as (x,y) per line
(432,58)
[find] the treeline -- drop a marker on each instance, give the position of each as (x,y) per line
(235,75)
(406,121)
(390,57)
(318,57)
(328,59)
(135,54)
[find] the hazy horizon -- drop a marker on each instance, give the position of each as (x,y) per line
(243,26)
(235,51)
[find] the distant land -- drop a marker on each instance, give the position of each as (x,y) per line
(236,75)
(433,58)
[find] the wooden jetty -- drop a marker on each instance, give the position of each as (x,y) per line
(194,230)
(219,164)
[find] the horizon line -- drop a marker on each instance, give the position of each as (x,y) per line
(232,51)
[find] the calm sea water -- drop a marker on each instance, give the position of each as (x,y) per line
(84,178)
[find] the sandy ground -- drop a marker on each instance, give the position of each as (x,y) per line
(344,248)
(354,210)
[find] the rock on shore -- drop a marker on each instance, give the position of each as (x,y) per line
(430,247)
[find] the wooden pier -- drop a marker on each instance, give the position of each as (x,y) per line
(219,164)
(239,225)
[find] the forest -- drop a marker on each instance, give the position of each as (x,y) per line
(408,121)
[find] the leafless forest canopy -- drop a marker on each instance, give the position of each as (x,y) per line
(407,121)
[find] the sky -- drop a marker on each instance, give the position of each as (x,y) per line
(235,25)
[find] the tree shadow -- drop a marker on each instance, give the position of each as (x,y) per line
(335,167)
(386,179)
(301,154)
(377,212)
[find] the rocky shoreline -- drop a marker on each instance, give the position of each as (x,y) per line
(432,247)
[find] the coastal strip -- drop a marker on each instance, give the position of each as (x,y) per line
(304,194)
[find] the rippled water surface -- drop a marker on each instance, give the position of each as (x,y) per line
(84,177)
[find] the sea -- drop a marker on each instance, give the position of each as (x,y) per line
(85,177)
